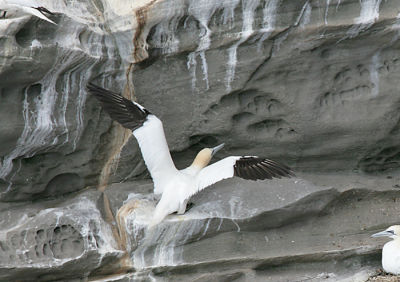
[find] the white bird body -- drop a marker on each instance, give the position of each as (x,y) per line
(391,250)
(391,257)
(174,198)
(157,158)
(177,186)
(30,7)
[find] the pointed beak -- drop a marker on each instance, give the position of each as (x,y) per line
(382,234)
(216,149)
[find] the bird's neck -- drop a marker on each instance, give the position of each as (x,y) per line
(192,170)
(195,168)
(200,162)
(392,246)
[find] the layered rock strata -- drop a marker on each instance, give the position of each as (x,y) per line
(309,83)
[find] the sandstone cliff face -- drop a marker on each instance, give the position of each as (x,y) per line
(309,83)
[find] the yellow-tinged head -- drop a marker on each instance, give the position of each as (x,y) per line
(203,158)
(392,232)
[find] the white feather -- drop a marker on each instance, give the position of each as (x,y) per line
(215,172)
(155,152)
(391,250)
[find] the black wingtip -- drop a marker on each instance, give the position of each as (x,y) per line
(129,114)
(93,87)
(255,168)
(101,93)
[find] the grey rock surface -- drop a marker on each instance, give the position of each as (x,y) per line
(54,240)
(50,134)
(312,89)
(310,83)
(287,230)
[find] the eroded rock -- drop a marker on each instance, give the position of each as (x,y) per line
(310,83)
(284,228)
(66,240)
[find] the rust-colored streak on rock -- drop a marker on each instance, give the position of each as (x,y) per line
(129,91)
(109,217)
(139,43)
(121,137)
(121,215)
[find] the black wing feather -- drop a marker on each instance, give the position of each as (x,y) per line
(273,169)
(262,173)
(43,10)
(254,168)
(279,169)
(124,111)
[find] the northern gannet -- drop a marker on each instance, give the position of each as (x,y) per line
(26,6)
(391,250)
(177,186)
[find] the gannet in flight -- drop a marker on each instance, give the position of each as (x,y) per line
(177,186)
(391,250)
(25,6)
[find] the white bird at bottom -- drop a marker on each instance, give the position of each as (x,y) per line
(177,186)
(391,250)
(30,7)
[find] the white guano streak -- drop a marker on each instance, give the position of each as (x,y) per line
(228,16)
(338,4)
(369,13)
(326,11)
(203,10)
(374,74)
(39,119)
(306,16)
(45,116)
(269,20)
(396,27)
(248,9)
(165,32)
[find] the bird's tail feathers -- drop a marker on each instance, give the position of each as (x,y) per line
(159,214)
(156,219)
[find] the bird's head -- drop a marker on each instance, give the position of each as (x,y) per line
(392,232)
(203,158)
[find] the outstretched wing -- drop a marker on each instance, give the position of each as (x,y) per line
(129,114)
(252,168)
(255,168)
(147,129)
